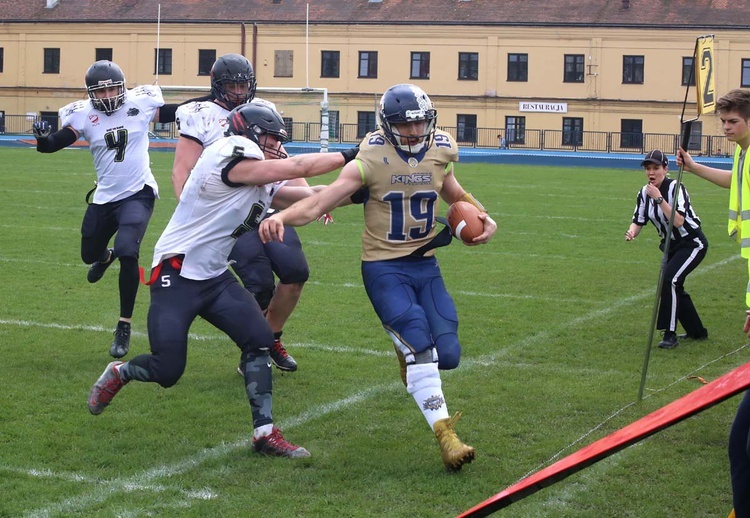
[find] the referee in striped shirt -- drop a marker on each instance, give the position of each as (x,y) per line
(688,247)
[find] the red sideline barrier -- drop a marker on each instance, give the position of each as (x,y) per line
(705,397)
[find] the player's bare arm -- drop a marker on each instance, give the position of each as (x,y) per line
(185,156)
(261,172)
(290,194)
(453,192)
(309,209)
(720,177)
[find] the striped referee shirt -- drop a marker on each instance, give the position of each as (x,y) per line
(646,210)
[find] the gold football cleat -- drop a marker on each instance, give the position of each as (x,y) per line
(455,453)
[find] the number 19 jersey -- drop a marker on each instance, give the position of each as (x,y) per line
(403,194)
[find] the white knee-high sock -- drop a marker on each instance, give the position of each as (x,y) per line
(423,383)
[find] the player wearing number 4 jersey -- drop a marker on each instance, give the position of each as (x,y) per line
(227,193)
(404,168)
(115,122)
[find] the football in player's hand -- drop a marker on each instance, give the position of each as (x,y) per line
(463,218)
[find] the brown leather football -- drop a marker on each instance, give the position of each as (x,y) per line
(463,218)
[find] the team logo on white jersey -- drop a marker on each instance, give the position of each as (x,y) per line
(94,118)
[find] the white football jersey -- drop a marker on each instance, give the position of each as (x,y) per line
(213,212)
(202,121)
(206,121)
(118,142)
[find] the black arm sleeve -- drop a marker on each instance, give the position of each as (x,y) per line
(55,142)
(166,113)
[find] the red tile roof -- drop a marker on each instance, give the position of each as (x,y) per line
(708,14)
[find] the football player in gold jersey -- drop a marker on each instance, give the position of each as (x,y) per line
(402,171)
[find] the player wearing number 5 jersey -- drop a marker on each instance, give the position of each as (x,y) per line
(404,169)
(115,122)
(227,193)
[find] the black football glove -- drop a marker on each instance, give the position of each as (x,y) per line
(41,129)
(350,154)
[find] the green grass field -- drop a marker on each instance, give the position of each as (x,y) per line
(555,317)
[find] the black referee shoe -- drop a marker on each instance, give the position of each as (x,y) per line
(702,335)
(669,341)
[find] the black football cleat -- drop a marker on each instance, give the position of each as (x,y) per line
(96,270)
(281,358)
(121,344)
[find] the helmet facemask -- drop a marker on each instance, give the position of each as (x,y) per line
(108,105)
(230,97)
(268,150)
(101,75)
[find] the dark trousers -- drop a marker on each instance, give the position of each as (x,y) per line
(675,304)
(739,458)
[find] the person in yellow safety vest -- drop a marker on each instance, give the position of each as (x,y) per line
(734,112)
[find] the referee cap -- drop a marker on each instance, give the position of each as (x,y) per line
(656,157)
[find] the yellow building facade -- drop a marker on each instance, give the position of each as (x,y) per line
(485,81)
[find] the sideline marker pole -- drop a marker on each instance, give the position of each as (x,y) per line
(706,99)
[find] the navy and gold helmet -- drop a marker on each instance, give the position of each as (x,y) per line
(404,103)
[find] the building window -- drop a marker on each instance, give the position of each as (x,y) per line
(2,58)
(283,63)
(468,65)
(515,130)
(745,73)
(688,72)
(631,133)
(206,59)
(368,64)
(101,54)
(329,63)
(572,131)
(573,68)
(365,123)
(518,67)
(51,61)
(163,61)
(466,130)
(632,70)
(420,65)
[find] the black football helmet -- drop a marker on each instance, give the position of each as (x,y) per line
(232,68)
(405,103)
(254,120)
(105,74)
